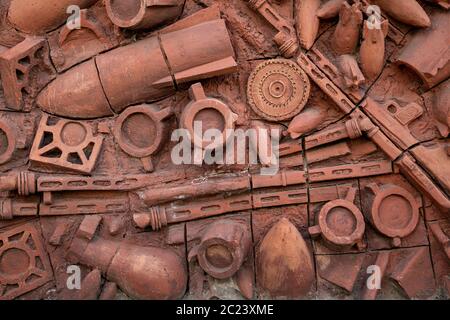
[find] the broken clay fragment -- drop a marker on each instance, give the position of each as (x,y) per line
(351,73)
(284,262)
(426,51)
(143,14)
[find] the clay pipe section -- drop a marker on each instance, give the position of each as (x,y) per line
(22,182)
(223,248)
(143,14)
(340,223)
(40,16)
(442,238)
(155,196)
(112,81)
(146,273)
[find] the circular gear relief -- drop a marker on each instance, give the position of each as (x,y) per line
(278,90)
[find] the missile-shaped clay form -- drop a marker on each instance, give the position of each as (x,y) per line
(372,49)
(406,11)
(307,22)
(346,36)
(39,16)
(330,9)
(145,71)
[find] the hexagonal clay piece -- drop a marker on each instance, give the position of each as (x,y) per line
(24,264)
(278,90)
(393,211)
(66,144)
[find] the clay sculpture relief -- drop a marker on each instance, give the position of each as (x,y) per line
(244,149)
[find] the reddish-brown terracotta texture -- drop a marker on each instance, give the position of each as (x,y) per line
(87,172)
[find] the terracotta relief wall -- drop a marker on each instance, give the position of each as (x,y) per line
(349,101)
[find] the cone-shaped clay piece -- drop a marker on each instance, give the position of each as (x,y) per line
(330,9)
(406,11)
(284,266)
(346,36)
(373,50)
(307,22)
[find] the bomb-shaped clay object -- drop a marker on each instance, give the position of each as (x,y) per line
(346,36)
(373,48)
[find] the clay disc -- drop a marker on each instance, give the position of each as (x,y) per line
(278,90)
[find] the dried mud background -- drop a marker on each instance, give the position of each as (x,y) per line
(87,201)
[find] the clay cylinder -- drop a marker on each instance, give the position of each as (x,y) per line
(307,22)
(372,50)
(39,16)
(154,196)
(143,14)
(346,35)
(8,182)
(147,273)
(139,72)
(224,247)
